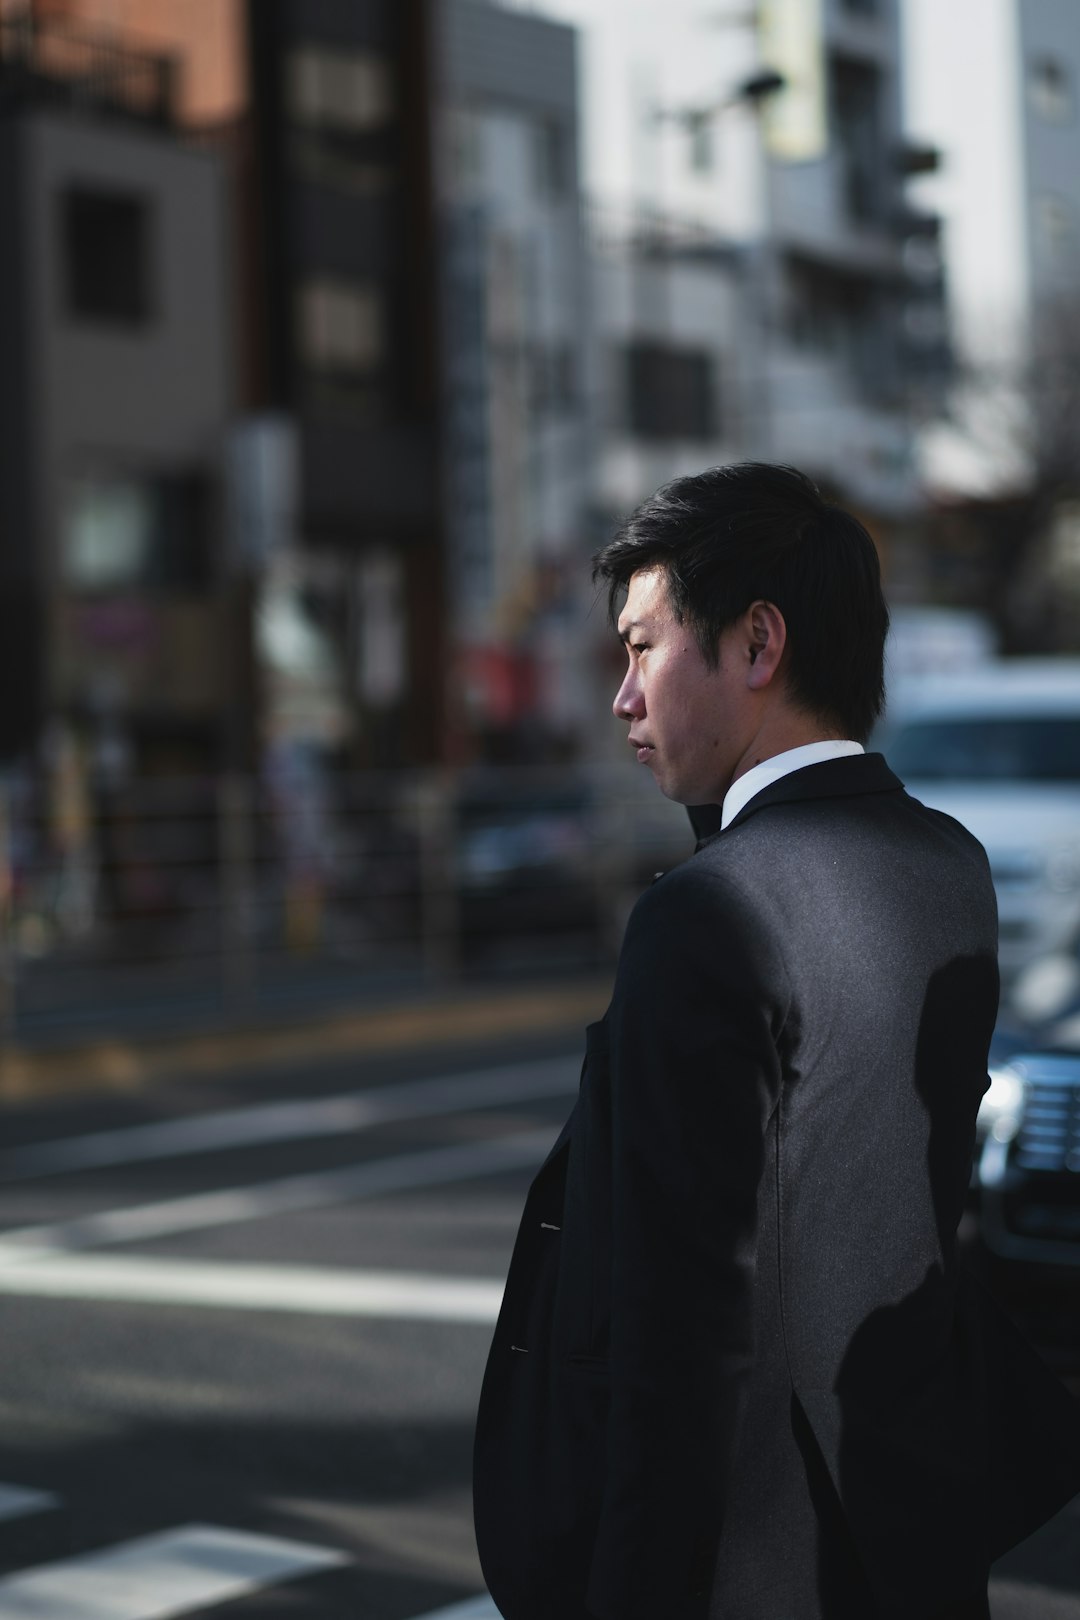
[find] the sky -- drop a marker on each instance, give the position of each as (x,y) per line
(686,51)
(637,56)
(962,93)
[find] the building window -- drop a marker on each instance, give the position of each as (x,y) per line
(925,324)
(670,393)
(1055,224)
(922,257)
(106,256)
(320,162)
(550,158)
(137,534)
(382,661)
(346,90)
(341,326)
(1050,90)
(464,143)
(699,128)
(552,373)
(839,317)
(862,8)
(855,98)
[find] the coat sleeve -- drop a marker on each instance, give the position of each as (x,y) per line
(699,1003)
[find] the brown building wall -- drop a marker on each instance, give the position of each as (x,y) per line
(206,37)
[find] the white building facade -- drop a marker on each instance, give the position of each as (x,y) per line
(516,358)
(771,272)
(996,85)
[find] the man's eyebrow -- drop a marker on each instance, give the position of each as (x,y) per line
(626,629)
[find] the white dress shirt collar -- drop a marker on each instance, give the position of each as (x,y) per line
(747,787)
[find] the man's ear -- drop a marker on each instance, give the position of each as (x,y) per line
(766,638)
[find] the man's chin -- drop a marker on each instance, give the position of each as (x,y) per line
(678,791)
(690,796)
(674,792)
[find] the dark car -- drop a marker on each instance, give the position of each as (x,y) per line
(549,863)
(525,862)
(1029,1163)
(1026,1189)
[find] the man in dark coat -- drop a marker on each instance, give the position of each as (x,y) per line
(739,1372)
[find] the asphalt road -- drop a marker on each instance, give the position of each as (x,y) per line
(244,1323)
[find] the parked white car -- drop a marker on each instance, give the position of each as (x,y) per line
(999,749)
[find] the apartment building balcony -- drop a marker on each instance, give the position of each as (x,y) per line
(49,62)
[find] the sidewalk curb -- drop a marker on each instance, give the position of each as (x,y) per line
(472,1015)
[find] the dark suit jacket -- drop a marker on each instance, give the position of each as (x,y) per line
(738,1370)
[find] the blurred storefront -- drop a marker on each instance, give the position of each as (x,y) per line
(116,321)
(328,383)
(289,342)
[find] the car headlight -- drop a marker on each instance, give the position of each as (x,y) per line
(1063,868)
(1047,987)
(1002,1105)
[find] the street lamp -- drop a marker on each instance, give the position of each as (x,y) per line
(697,121)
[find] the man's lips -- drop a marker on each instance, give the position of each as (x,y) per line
(644,749)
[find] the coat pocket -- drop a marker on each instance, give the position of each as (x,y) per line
(595,1365)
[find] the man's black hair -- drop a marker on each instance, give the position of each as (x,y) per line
(734,535)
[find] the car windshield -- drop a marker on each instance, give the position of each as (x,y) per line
(988,748)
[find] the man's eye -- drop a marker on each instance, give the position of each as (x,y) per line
(639,646)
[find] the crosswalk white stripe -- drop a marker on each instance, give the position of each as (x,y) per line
(1029,1597)
(292,1121)
(162,1280)
(287,1195)
(20,1502)
(160,1576)
(477,1608)
(1052,1605)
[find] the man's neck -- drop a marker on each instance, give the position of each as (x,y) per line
(780,735)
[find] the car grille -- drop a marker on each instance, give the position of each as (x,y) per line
(1049,1135)
(1031,1180)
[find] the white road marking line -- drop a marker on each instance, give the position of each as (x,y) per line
(288,1195)
(1054,1605)
(293,1121)
(159,1576)
(477,1608)
(20,1502)
(218,1284)
(1027,1598)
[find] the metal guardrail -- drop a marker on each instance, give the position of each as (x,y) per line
(240,888)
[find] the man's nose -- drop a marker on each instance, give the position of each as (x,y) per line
(628,703)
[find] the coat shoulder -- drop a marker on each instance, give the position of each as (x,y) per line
(707,884)
(706,918)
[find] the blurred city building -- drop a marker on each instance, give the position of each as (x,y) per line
(1003,464)
(351,634)
(439,376)
(322,522)
(1009,186)
(855,327)
(116,390)
(248,344)
(516,345)
(762,285)
(200,42)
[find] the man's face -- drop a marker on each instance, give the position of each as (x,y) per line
(690,724)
